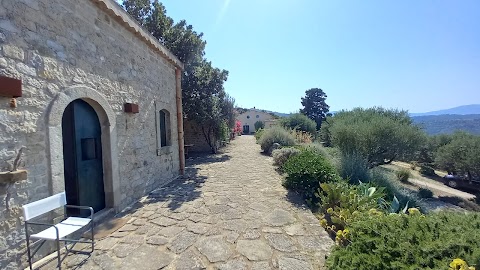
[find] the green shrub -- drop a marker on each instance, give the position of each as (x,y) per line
(259,125)
(354,168)
(426,170)
(425,193)
(275,135)
(280,156)
(381,178)
(331,153)
(259,133)
(300,122)
(224,132)
(388,242)
(344,202)
(403,175)
(306,171)
(379,134)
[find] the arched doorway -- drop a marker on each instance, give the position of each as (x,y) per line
(82,156)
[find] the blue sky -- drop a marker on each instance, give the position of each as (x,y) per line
(416,55)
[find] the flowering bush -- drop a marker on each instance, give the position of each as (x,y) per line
(343,203)
(459,264)
(302,136)
(258,134)
(238,128)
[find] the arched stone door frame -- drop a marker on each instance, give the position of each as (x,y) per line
(107,120)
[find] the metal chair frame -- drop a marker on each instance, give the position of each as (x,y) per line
(58,239)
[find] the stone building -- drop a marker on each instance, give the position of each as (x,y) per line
(250,116)
(84,66)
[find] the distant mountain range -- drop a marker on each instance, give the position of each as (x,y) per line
(448,123)
(279,114)
(464,118)
(461,110)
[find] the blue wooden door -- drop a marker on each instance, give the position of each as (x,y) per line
(82,153)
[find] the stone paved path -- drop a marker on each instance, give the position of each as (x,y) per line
(230,212)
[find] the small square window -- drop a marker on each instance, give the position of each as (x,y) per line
(89,149)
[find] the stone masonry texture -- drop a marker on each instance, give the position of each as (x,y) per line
(53,45)
(195,138)
(230,211)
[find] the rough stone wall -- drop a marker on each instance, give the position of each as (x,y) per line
(194,135)
(55,44)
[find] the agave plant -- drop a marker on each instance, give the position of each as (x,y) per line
(344,202)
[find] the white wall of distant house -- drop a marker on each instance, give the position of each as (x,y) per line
(251,116)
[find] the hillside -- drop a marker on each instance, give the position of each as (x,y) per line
(279,114)
(447,124)
(462,110)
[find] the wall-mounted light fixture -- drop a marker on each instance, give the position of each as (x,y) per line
(10,87)
(131,108)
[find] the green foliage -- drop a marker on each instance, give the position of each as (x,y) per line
(258,134)
(330,153)
(413,241)
(299,122)
(427,171)
(204,99)
(275,135)
(425,193)
(224,132)
(306,171)
(426,155)
(378,135)
(259,125)
(325,136)
(461,155)
(354,168)
(383,178)
(314,105)
(344,202)
(280,156)
(216,113)
(403,175)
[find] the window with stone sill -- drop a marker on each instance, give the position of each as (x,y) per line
(164,133)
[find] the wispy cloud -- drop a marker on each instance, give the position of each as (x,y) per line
(223,11)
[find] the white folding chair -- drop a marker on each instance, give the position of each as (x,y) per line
(56,232)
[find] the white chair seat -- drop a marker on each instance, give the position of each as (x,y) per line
(66,227)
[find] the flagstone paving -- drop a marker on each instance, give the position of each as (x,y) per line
(230,211)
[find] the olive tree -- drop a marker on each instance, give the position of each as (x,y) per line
(299,122)
(378,135)
(203,95)
(460,155)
